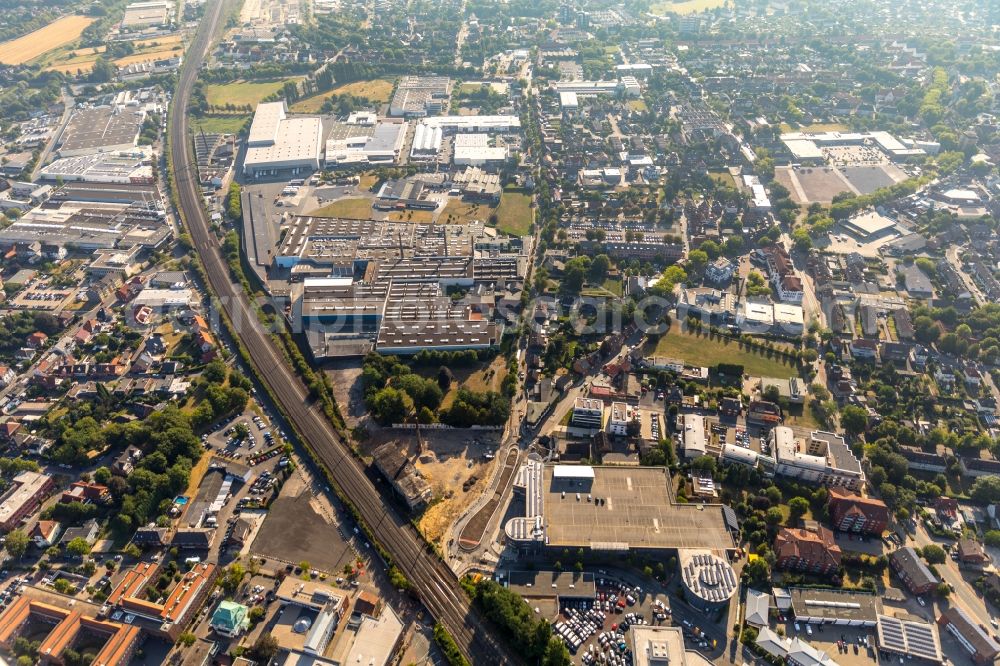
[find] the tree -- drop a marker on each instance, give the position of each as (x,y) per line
(992,538)
(256,614)
(797,507)
(934,554)
(445,378)
(78,547)
(391,405)
(985,490)
(17,543)
(697,259)
(942,591)
(232,577)
(599,268)
(757,571)
(264,650)
(187,639)
(854,419)
(773,516)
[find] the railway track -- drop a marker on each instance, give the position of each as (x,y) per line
(435,583)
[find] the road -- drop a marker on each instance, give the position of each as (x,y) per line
(439,590)
(67,111)
(964,596)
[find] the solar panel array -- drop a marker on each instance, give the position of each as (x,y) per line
(918,639)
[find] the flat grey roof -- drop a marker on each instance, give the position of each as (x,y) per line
(94,128)
(552,583)
(835,604)
(637,512)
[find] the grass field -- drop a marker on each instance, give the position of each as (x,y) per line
(376,90)
(58,33)
(637,105)
(686,7)
(703,350)
(462,212)
(722,178)
(515,214)
(351,209)
(243,93)
(219,124)
(815,127)
(415,216)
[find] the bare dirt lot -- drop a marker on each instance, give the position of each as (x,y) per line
(867,179)
(345,376)
(820,183)
(449,460)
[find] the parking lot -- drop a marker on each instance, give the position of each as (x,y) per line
(596,632)
(244,438)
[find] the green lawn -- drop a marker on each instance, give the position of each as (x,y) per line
(219,124)
(351,209)
(515,214)
(722,178)
(706,351)
(243,93)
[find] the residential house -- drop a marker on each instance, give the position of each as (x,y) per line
(912,571)
(850,512)
(811,550)
(46,533)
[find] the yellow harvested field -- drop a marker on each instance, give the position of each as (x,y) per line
(166,40)
(155,55)
(686,7)
(58,33)
(376,91)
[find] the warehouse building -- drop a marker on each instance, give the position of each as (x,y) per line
(101,129)
(426,142)
(487,124)
(277,143)
(139,15)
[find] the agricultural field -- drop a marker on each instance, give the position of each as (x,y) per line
(685,7)
(81,61)
(515,215)
(243,93)
(376,90)
(705,349)
(351,209)
(58,33)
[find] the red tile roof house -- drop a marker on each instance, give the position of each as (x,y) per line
(809,550)
(36,340)
(852,513)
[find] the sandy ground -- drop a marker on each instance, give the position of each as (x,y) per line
(449,458)
(345,378)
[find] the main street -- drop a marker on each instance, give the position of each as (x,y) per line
(438,588)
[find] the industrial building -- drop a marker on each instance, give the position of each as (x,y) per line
(313,610)
(101,129)
(807,148)
(475,150)
(88,227)
(369,283)
(610,509)
(278,143)
(419,96)
(426,142)
(127,166)
(382,145)
(460,124)
(139,15)
(824,458)
(869,226)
